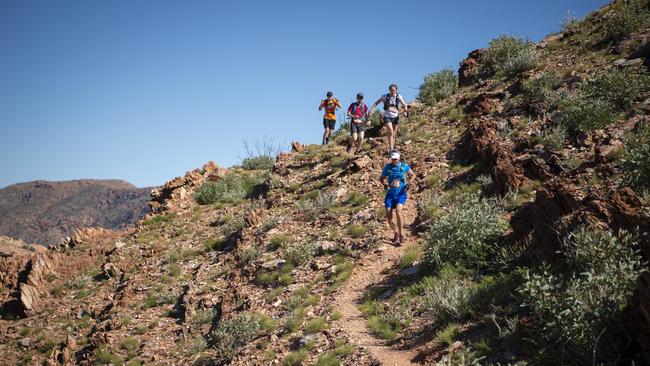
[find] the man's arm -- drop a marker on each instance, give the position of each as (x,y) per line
(406,106)
(412,177)
(338,103)
(382,180)
(320,108)
(375,104)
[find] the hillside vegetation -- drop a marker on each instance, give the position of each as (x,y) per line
(528,234)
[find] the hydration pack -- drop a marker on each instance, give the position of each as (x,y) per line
(388,102)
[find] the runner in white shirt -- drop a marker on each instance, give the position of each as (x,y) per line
(393,103)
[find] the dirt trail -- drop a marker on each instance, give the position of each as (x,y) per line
(369,272)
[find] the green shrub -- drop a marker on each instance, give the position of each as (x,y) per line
(553,138)
(437,86)
(411,255)
(314,207)
(204,316)
(131,346)
(430,205)
(508,56)
(571,23)
(454,113)
(575,306)
(293,321)
(104,356)
(447,296)
(466,236)
(233,333)
(277,277)
(542,91)
(315,325)
(581,114)
(388,323)
(158,298)
(231,188)
(261,155)
(295,358)
(261,162)
(629,16)
(279,241)
(448,334)
(356,231)
(298,254)
(636,163)
(620,87)
(357,199)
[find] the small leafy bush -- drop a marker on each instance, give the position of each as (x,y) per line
(447,296)
(104,356)
(314,207)
(231,188)
(281,276)
(448,334)
(295,358)
(357,199)
(552,138)
(437,86)
(542,91)
(619,87)
(261,155)
(158,298)
(131,346)
(293,321)
(279,240)
(203,317)
(233,333)
(387,323)
(571,23)
(261,162)
(466,236)
(356,231)
(575,306)
(636,163)
(630,16)
(508,56)
(581,114)
(315,325)
(454,113)
(298,254)
(430,205)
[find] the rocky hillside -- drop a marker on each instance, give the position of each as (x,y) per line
(527,234)
(45,212)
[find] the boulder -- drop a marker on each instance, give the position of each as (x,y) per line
(297,146)
(217,174)
(274,263)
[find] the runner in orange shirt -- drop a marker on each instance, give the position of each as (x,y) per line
(329,120)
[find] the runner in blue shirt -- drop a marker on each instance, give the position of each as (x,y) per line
(393,178)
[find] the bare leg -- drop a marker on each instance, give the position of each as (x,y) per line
(389,217)
(390,136)
(394,136)
(326,134)
(398,214)
(359,142)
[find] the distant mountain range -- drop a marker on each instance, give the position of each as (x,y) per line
(43,212)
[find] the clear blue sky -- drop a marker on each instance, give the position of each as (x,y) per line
(146,90)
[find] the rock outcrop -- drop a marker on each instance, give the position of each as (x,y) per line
(172,193)
(469,71)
